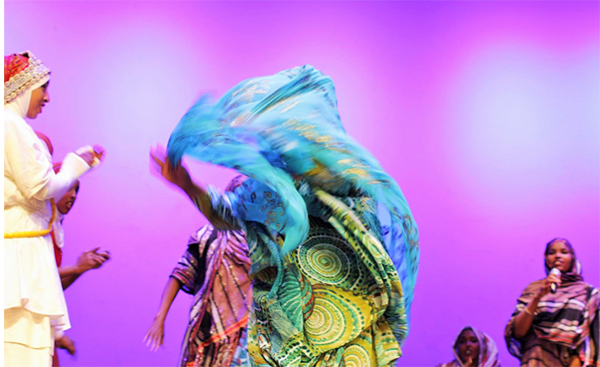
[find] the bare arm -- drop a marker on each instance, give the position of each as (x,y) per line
(524,320)
(154,337)
(179,176)
(91,259)
(66,281)
(575,361)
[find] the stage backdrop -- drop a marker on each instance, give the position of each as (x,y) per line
(486,113)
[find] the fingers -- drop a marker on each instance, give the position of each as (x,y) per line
(102,253)
(71,348)
(99,152)
(97,260)
(153,340)
(554,278)
(157,160)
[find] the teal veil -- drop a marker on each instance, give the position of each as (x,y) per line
(278,128)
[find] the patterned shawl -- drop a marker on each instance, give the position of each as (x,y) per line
(215,270)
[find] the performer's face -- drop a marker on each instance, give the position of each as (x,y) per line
(468,347)
(39,97)
(65,204)
(559,256)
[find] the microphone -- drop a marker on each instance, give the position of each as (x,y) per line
(554,286)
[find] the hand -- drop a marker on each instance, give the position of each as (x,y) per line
(66,343)
(545,287)
(154,337)
(93,156)
(177,174)
(99,152)
(92,259)
(104,253)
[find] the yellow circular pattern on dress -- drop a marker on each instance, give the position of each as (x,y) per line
(356,356)
(326,258)
(337,317)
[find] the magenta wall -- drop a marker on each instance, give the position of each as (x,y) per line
(486,113)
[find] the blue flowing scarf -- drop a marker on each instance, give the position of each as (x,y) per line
(286,126)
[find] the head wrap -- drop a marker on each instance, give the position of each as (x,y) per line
(488,353)
(575,272)
(22,74)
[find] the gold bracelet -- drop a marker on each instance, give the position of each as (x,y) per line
(528,312)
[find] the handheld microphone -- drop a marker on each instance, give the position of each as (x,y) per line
(554,286)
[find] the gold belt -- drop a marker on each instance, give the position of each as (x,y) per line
(40,233)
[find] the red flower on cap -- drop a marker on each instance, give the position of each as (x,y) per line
(13,65)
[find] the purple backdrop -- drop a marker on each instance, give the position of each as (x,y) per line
(485,112)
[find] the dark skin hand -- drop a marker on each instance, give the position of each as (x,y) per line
(179,176)
(66,343)
(92,259)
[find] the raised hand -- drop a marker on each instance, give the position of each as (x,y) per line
(175,174)
(545,286)
(92,156)
(99,152)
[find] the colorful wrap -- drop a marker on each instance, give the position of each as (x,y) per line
(214,269)
(287,126)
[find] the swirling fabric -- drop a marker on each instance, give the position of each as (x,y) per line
(336,299)
(333,245)
(287,125)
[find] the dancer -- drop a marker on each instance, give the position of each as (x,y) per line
(214,269)
(330,234)
(34,305)
(561,328)
(473,348)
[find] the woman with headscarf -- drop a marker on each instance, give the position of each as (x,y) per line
(556,319)
(34,304)
(332,242)
(473,348)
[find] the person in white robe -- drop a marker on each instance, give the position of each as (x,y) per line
(34,304)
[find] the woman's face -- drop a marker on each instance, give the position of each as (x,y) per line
(39,97)
(559,256)
(468,347)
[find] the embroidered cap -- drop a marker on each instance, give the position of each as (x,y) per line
(21,71)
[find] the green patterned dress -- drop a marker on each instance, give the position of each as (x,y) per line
(336,300)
